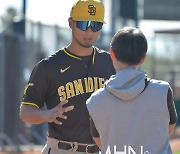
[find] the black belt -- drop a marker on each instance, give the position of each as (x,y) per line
(74,146)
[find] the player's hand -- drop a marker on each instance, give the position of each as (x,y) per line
(57,112)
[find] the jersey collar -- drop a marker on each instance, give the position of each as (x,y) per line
(79,58)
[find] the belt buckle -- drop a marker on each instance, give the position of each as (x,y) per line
(87,148)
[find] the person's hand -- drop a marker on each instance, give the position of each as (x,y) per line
(57,112)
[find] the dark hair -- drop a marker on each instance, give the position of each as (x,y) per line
(129,45)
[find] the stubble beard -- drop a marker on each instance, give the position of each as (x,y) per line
(83,44)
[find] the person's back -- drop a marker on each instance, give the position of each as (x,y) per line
(131,112)
(131,116)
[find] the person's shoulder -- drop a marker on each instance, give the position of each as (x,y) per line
(159,82)
(56,56)
(96,98)
(98,93)
(101,51)
(103,56)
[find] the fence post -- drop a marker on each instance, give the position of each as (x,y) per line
(2,57)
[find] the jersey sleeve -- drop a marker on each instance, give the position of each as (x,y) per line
(171,107)
(36,89)
(94,132)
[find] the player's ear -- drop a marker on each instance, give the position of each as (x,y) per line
(112,54)
(70,22)
(142,60)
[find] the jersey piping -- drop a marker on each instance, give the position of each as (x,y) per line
(76,57)
(94,54)
(67,53)
(29,103)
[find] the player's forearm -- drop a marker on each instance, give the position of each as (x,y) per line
(32,114)
(171,128)
(97,141)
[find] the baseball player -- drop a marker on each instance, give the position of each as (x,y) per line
(138,113)
(64,81)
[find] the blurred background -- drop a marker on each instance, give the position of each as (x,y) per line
(31,30)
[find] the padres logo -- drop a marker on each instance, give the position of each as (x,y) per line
(91,10)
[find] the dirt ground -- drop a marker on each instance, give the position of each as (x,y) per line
(175,144)
(175,139)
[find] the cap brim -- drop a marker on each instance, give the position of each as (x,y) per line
(80,19)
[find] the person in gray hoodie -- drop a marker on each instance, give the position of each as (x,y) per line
(132,114)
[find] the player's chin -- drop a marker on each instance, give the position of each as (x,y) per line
(87,45)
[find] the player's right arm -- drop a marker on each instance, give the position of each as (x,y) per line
(35,95)
(95,133)
(171,128)
(34,115)
(172,111)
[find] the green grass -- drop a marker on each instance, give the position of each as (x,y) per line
(176,152)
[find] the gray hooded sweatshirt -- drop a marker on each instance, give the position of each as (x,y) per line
(130,118)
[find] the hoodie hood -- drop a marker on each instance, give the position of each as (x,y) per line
(126,84)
